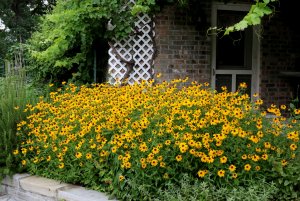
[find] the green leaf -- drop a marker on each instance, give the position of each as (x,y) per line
(241,25)
(259,11)
(286,182)
(255,20)
(267,10)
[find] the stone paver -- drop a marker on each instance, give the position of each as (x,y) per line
(6,198)
(23,187)
(82,194)
(42,186)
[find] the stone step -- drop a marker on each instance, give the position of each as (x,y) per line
(6,198)
(24,187)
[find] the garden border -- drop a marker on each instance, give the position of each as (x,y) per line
(25,187)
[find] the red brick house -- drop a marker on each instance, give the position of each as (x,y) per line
(266,57)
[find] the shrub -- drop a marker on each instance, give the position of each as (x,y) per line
(107,136)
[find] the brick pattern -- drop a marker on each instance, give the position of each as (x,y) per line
(182,50)
(280,52)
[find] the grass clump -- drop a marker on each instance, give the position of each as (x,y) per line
(15,96)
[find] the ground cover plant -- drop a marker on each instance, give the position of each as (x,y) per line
(138,141)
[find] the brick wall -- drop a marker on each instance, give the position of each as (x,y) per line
(182,49)
(280,52)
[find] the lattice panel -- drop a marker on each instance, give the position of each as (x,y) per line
(139,48)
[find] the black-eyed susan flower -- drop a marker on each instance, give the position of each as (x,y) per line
(179,158)
(293,147)
(221,173)
(61,165)
(234,175)
(88,156)
(202,173)
(154,162)
(223,159)
(247,167)
(23,162)
(232,168)
(121,178)
(284,162)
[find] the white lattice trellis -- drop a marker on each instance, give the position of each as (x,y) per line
(139,48)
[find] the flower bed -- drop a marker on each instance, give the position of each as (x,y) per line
(112,138)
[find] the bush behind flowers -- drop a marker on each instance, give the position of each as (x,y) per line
(105,136)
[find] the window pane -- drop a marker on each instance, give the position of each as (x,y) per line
(223,80)
(246,79)
(230,51)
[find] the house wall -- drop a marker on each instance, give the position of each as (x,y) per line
(280,52)
(184,50)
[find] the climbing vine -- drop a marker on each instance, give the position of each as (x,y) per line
(68,36)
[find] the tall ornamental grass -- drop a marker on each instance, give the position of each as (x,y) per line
(122,139)
(14,97)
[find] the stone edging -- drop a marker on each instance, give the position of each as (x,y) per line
(24,187)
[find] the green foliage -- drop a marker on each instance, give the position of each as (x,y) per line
(133,140)
(253,17)
(20,19)
(188,188)
(15,95)
(65,42)
(63,47)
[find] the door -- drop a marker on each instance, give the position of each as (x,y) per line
(235,58)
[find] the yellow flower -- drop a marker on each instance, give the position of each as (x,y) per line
(23,162)
(247,167)
(16,152)
(243,85)
(202,173)
(158,75)
(283,107)
(51,85)
(61,165)
(154,162)
(221,173)
(232,168)
(257,168)
(223,159)
(114,149)
(293,147)
(127,165)
(284,162)
(121,178)
(178,158)
(267,145)
(78,155)
(17,107)
(244,157)
(162,164)
(48,158)
(234,175)
(88,156)
(265,157)
(155,150)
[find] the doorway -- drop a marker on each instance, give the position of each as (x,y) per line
(235,58)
